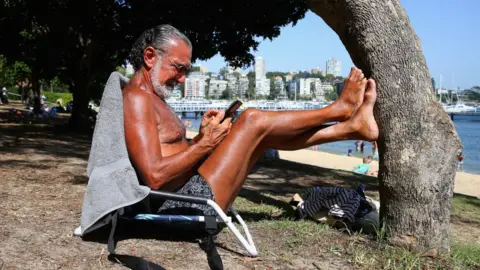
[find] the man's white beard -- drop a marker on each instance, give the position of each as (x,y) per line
(162,90)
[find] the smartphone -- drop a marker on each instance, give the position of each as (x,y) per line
(230,111)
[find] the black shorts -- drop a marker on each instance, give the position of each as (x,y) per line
(195,186)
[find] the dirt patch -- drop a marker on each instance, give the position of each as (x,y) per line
(42,174)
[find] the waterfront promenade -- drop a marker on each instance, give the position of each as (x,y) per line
(201,106)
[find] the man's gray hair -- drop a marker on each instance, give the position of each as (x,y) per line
(160,37)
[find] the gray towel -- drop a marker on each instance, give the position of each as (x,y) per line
(112,183)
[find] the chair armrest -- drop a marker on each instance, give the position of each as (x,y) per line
(164,195)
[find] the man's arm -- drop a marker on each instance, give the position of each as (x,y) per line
(141,135)
(195,139)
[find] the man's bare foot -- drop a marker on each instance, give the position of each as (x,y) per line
(363,123)
(352,94)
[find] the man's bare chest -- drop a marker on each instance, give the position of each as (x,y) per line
(170,127)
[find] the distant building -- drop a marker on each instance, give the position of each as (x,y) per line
(288,77)
(262,84)
(230,77)
(278,84)
(336,81)
(317,70)
(334,67)
(326,87)
(259,68)
(214,75)
(305,87)
(232,81)
(310,87)
(293,87)
(203,69)
(195,85)
(216,88)
(242,86)
(318,90)
(280,88)
(322,89)
(232,85)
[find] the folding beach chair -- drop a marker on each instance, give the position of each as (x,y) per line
(114,192)
(210,224)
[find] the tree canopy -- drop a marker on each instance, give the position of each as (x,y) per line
(82,41)
(64,36)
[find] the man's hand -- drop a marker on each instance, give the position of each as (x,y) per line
(206,119)
(214,132)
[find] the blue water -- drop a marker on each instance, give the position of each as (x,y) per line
(468,128)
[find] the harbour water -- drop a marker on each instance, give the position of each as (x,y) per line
(468,128)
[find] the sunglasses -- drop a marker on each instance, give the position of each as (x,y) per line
(181,68)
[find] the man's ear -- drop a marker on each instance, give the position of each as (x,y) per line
(149,57)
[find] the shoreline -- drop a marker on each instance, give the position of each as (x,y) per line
(465,183)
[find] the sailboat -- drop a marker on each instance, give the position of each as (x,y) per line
(457,107)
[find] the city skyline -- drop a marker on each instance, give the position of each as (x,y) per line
(196,86)
(445,28)
(320,68)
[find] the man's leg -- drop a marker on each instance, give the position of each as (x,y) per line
(226,168)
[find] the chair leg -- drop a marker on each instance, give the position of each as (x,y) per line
(244,226)
(247,243)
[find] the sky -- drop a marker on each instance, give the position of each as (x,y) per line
(448,29)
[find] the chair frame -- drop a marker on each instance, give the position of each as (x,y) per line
(247,242)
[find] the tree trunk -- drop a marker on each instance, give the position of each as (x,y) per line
(418,143)
(35,85)
(79,120)
(83,73)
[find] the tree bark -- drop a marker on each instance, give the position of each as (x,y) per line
(79,120)
(418,142)
(83,74)
(35,85)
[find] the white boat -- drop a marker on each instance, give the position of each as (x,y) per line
(459,107)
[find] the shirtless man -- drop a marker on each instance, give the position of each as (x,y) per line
(216,162)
